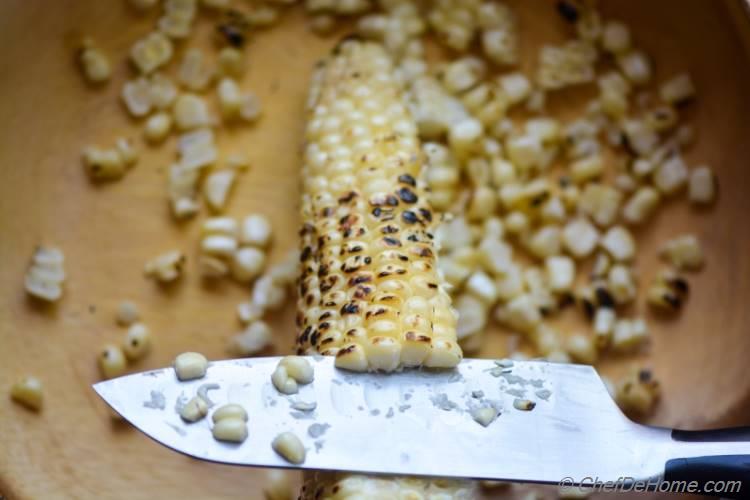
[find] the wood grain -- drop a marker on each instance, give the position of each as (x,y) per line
(74,448)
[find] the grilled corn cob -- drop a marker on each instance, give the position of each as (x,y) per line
(369,291)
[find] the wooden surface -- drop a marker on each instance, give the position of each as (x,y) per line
(74,448)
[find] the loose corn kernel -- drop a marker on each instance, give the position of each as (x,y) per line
(629,334)
(247,264)
(230,411)
(545,339)
(463,74)
(46,275)
(194,73)
(127,151)
(677,90)
(103,164)
(94,63)
(298,368)
(671,176)
(220,225)
(472,317)
(190,112)
(601,203)
(636,66)
(219,245)
(137,342)
(112,362)
(582,349)
(151,52)
(28,392)
(231,62)
(481,286)
(604,323)
(494,255)
(284,383)
(166,267)
(521,313)
(230,98)
(232,430)
(621,284)
(667,292)
(482,204)
(268,294)
(641,138)
(251,108)
(190,366)
(255,338)
(640,205)
(702,186)
(638,392)
(684,252)
(523,404)
(217,186)
(587,168)
(616,37)
(162,92)
(544,242)
(256,230)
(619,243)
(484,416)
(511,284)
(525,151)
(157,128)
(465,136)
(516,222)
(127,313)
(212,267)
(515,86)
(194,410)
(248,312)
(561,272)
(289,447)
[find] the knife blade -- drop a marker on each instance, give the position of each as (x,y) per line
(415,422)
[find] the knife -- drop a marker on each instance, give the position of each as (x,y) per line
(421,423)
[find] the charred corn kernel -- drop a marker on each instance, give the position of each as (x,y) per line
(289,447)
(95,64)
(151,52)
(523,404)
(161,91)
(157,127)
(217,187)
(248,263)
(638,392)
(484,416)
(616,37)
(298,368)
(621,284)
(231,62)
(671,176)
(112,362)
(28,392)
(190,366)
(582,349)
(230,411)
(545,241)
(137,342)
(619,243)
(212,267)
(640,205)
(586,169)
(255,338)
(256,231)
(636,66)
(284,383)
(194,410)
(521,313)
(561,272)
(232,430)
(219,245)
(194,72)
(629,334)
(191,112)
(166,267)
(684,252)
(136,95)
(601,203)
(668,291)
(127,313)
(364,231)
(103,164)
(702,186)
(580,237)
(481,286)
(515,87)
(268,294)
(677,90)
(604,323)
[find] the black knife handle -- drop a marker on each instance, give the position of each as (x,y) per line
(726,476)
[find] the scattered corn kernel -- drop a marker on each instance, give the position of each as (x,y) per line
(289,447)
(484,416)
(580,237)
(640,205)
(151,52)
(217,186)
(28,392)
(194,410)
(684,252)
(619,243)
(523,404)
(157,127)
(256,231)
(677,90)
(166,267)
(702,186)
(190,366)
(232,430)
(671,176)
(284,383)
(112,362)
(231,411)
(255,338)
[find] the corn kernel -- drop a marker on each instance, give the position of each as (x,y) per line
(137,342)
(702,186)
(253,339)
(684,252)
(28,392)
(289,447)
(112,362)
(190,366)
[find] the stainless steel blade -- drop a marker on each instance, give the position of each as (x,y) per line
(414,422)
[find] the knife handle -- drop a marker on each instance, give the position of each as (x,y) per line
(726,476)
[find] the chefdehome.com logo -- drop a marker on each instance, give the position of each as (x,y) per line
(627,484)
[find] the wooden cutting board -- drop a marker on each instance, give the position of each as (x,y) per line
(75,448)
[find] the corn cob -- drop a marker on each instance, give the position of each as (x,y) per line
(369,293)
